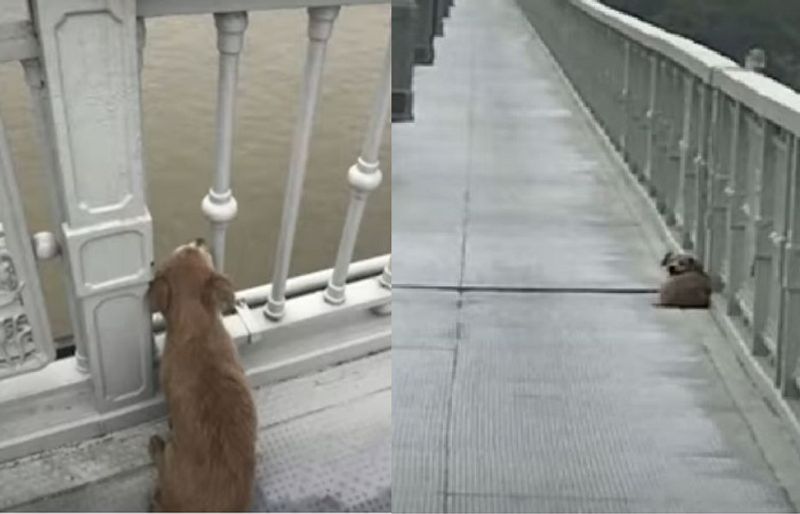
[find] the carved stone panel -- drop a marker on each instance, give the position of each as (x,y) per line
(25,340)
(19,351)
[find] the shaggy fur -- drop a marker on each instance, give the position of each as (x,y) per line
(208,462)
(687,285)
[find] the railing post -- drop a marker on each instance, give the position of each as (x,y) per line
(700,165)
(779,242)
(685,188)
(737,219)
(650,120)
(790,327)
(90,54)
(320,26)
(624,104)
(669,154)
(718,180)
(364,177)
(634,138)
(438,17)
(219,205)
(763,222)
(424,53)
(35,78)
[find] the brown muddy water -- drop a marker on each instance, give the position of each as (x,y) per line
(179,101)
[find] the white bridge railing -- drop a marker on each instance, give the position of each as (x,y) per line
(82,61)
(715,145)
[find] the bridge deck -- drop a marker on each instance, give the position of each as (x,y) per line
(324,445)
(531,372)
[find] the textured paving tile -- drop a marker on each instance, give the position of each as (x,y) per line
(583,408)
(544,504)
(424,319)
(420,403)
(324,445)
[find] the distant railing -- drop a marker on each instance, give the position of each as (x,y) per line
(414,25)
(82,61)
(715,145)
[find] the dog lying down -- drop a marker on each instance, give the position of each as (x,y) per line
(687,285)
(208,461)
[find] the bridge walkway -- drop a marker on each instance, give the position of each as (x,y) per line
(531,372)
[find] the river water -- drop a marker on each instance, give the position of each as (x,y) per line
(179,99)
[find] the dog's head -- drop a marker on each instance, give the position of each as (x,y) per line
(678,263)
(189,274)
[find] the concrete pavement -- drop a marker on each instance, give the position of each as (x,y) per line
(324,445)
(531,371)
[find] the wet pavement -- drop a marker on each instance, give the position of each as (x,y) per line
(531,371)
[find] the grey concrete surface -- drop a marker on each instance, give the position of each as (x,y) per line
(324,445)
(531,371)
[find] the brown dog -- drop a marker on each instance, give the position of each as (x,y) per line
(208,463)
(687,286)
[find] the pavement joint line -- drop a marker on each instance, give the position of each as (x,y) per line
(449,415)
(532,289)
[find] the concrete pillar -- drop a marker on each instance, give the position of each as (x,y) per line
(91,64)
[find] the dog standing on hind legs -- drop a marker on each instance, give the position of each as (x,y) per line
(208,462)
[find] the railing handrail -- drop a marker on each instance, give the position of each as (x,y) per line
(153,8)
(18,39)
(697,58)
(765,96)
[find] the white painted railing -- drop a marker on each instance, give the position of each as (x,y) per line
(715,145)
(83,61)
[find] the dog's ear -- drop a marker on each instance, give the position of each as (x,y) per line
(218,292)
(695,264)
(158,294)
(667,258)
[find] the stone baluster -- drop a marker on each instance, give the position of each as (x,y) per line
(696,224)
(90,54)
(651,129)
(364,177)
(790,327)
(320,26)
(219,205)
(718,167)
(764,222)
(39,104)
(737,218)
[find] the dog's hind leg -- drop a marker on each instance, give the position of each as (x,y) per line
(155,502)
(156,448)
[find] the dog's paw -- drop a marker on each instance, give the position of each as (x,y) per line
(156,446)
(155,505)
